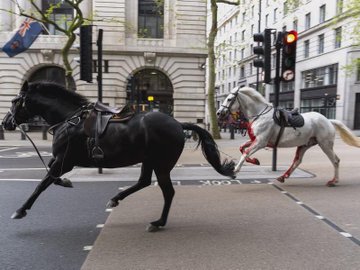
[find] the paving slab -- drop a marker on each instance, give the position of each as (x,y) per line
(224,227)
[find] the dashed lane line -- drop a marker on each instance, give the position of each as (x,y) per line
(317,215)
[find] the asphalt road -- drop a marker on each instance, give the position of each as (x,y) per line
(214,223)
(57,231)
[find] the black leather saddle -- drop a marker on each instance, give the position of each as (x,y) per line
(98,119)
(285,118)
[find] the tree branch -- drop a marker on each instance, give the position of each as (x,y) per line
(236,3)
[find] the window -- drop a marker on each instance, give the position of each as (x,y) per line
(242,72)
(295,25)
(273,60)
(251,69)
(243,17)
(307,21)
(62,15)
(338,37)
(284,28)
(151,19)
(266,20)
(306,48)
(320,76)
(286,8)
(322,14)
(242,53)
(275,15)
(358,70)
(321,43)
(243,36)
(339,6)
(252,30)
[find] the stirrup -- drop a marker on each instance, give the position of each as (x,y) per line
(97,153)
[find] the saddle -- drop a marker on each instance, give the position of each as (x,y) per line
(285,118)
(98,119)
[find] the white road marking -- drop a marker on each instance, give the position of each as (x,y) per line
(87,248)
(346,234)
(8,149)
(100,226)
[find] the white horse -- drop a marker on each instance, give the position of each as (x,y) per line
(263,131)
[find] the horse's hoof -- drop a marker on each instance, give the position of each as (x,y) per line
(63,182)
(281,179)
(19,214)
(112,204)
(256,161)
(331,184)
(152,228)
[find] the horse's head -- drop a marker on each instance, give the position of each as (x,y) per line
(229,105)
(18,113)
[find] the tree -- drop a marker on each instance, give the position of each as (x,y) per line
(44,17)
(211,64)
(350,11)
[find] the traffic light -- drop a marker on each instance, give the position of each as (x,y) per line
(288,56)
(86,53)
(264,53)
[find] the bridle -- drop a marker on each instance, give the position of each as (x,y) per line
(234,97)
(19,102)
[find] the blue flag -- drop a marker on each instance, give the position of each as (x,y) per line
(24,37)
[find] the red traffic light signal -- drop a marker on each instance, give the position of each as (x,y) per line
(290,37)
(289,56)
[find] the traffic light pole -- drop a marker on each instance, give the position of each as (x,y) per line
(100,70)
(277,79)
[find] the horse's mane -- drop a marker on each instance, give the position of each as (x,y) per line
(57,92)
(254,95)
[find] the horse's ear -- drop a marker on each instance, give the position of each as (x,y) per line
(25,87)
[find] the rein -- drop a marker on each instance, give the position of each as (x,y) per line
(267,109)
(33,144)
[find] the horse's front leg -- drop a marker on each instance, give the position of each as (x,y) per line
(58,167)
(255,146)
(242,148)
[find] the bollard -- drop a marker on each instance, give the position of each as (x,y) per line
(232,136)
(2,137)
(24,127)
(44,132)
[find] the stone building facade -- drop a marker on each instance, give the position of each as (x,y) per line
(326,46)
(164,51)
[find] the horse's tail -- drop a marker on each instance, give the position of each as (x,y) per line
(210,151)
(345,133)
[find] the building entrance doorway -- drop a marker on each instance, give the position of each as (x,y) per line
(150,90)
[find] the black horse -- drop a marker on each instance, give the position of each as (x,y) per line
(154,139)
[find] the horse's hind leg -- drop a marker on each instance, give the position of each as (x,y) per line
(168,191)
(144,181)
(300,151)
(327,147)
